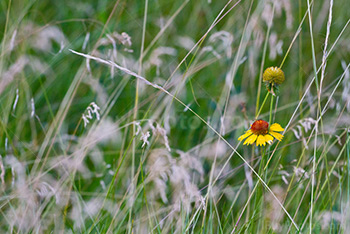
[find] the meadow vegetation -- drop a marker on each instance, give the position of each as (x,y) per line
(124,116)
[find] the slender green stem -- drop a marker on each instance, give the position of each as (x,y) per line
(300,62)
(4,37)
(348,158)
(262,63)
(111,185)
(136,103)
(259,199)
(313,182)
(271,107)
(262,105)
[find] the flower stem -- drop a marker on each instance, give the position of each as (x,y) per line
(270,122)
(262,105)
(271,107)
(260,194)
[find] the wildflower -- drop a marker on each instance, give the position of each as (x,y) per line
(273,76)
(262,133)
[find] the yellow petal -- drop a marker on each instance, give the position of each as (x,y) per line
(276,127)
(245,135)
(260,140)
(276,135)
(268,139)
(250,140)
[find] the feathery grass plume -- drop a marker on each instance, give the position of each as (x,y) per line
(346,84)
(279,5)
(275,46)
(43,40)
(2,173)
(156,58)
(159,168)
(144,138)
(303,124)
(180,175)
(261,133)
(185,42)
(328,218)
(58,177)
(159,131)
(93,108)
(274,213)
(16,68)
(226,39)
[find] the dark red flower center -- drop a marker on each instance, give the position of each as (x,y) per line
(260,127)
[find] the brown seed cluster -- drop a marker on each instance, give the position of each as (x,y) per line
(260,127)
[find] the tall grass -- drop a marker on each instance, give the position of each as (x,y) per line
(123,117)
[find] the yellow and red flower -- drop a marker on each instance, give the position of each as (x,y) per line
(262,133)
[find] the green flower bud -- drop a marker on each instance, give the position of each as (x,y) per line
(273,75)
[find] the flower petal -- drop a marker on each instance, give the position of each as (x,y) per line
(245,135)
(268,139)
(276,127)
(260,140)
(250,140)
(276,135)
